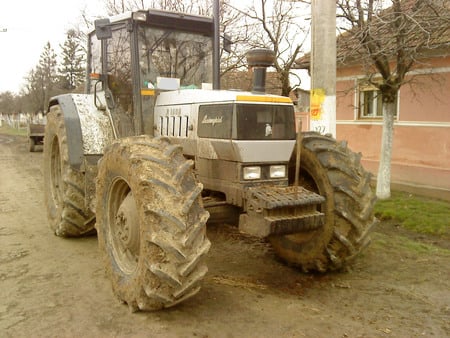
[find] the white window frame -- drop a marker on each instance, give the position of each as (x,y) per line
(376,108)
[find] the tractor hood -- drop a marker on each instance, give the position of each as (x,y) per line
(246,151)
(228,125)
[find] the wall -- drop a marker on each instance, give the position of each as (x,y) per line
(421,150)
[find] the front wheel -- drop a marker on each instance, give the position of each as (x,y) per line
(151,223)
(330,169)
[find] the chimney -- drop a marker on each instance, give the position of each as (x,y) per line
(259,59)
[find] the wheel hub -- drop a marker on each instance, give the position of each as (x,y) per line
(126,233)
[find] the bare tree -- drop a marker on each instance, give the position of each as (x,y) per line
(114,7)
(389,43)
(234,27)
(199,7)
(276,25)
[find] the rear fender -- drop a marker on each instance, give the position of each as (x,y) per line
(88,129)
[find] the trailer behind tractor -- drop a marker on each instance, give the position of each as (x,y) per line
(35,135)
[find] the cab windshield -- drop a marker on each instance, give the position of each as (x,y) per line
(265,122)
(246,121)
(175,54)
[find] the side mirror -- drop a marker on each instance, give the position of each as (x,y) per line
(103,29)
(227,42)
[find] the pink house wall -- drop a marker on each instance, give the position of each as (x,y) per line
(421,149)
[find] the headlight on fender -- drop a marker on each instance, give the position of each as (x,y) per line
(277,171)
(252,173)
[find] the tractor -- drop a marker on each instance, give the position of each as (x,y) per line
(151,146)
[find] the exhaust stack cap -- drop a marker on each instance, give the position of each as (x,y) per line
(259,59)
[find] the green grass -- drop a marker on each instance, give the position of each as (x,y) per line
(420,214)
(395,244)
(8,130)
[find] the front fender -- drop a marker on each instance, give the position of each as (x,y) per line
(88,129)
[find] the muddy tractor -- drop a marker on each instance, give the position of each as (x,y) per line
(151,146)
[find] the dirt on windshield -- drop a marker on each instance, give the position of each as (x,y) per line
(55,287)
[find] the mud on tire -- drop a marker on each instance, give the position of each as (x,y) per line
(335,172)
(63,186)
(151,223)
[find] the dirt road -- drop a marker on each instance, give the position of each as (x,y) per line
(56,287)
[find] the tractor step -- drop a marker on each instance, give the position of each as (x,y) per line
(271,197)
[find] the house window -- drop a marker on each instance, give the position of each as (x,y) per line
(370,102)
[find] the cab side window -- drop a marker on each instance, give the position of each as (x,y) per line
(215,121)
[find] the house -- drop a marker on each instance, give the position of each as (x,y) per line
(421,145)
(243,80)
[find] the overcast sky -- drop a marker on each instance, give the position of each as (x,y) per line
(29,24)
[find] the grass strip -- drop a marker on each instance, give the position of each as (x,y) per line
(420,214)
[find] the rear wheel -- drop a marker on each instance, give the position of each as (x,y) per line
(63,186)
(332,170)
(151,223)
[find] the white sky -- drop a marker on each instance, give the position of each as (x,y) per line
(30,24)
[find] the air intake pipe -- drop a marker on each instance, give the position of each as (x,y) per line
(259,59)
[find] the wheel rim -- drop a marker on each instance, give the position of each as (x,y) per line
(55,174)
(123,223)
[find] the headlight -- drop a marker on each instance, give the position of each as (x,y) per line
(277,171)
(252,173)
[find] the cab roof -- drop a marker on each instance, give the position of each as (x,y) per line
(168,19)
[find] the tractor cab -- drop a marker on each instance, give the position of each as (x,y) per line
(129,54)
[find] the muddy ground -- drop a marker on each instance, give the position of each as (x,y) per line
(49,286)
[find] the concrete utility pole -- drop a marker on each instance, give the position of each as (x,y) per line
(216,45)
(323,67)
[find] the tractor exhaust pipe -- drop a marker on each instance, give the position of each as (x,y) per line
(259,59)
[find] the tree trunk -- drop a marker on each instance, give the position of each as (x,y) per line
(384,169)
(285,84)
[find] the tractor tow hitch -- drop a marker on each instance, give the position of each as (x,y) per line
(274,210)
